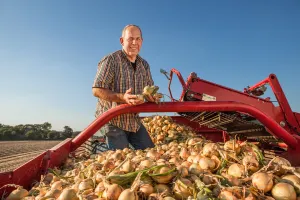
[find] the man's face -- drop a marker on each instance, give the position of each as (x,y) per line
(132,41)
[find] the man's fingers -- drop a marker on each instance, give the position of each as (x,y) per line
(128,91)
(131,96)
(150,98)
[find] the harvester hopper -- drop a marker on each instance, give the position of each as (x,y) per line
(216,112)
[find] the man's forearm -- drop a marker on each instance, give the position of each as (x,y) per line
(108,95)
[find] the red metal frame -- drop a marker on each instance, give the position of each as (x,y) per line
(26,174)
(196,87)
(269,123)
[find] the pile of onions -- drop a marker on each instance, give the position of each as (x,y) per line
(185,167)
(163,129)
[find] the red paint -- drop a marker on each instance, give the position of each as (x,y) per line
(268,122)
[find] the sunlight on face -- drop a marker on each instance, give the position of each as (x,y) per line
(132,41)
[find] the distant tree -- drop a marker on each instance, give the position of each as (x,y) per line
(67,132)
(34,132)
(53,135)
(33,135)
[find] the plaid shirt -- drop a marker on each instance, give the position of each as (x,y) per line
(116,73)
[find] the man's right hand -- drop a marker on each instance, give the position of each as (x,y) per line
(131,98)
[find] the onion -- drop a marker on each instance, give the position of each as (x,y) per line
(165,178)
(232,145)
(250,162)
(210,149)
(146,189)
(17,194)
(127,167)
(162,188)
(153,154)
(293,180)
(168,198)
(195,169)
(86,184)
(207,180)
(227,195)
(100,188)
(146,164)
(112,192)
(191,158)
(183,188)
(57,185)
(236,170)
(277,164)
(282,191)
(186,164)
(183,171)
(207,163)
(53,193)
(184,153)
(262,181)
(68,194)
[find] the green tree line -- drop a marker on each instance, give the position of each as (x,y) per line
(35,132)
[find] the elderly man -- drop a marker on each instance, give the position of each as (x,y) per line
(122,75)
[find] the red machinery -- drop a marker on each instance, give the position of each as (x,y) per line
(215,111)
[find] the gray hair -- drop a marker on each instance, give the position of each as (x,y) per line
(130,25)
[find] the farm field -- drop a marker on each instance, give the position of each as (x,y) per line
(15,153)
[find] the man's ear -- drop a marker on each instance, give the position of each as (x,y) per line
(121,41)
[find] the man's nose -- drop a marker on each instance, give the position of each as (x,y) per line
(133,41)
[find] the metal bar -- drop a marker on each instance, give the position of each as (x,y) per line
(275,128)
(257,85)
(283,102)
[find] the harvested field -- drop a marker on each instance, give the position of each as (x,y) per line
(15,153)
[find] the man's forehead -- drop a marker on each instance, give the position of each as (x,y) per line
(132,31)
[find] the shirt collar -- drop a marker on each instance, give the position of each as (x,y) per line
(138,57)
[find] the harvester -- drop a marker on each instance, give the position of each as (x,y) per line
(215,112)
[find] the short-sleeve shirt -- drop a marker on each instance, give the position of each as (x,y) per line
(116,73)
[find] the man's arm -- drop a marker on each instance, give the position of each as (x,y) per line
(108,95)
(111,96)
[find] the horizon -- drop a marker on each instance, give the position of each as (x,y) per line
(50,50)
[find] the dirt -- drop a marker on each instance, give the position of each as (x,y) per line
(15,153)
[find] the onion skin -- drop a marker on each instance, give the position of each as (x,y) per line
(68,194)
(232,145)
(293,180)
(113,192)
(227,195)
(262,181)
(251,163)
(236,170)
(283,191)
(17,194)
(146,189)
(128,194)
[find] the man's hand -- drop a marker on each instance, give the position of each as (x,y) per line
(132,99)
(149,98)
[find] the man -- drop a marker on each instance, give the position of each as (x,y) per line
(122,75)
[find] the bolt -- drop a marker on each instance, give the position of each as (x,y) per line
(282,124)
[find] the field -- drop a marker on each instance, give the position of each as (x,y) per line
(15,153)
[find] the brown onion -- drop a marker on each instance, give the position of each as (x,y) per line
(68,194)
(232,145)
(113,192)
(236,170)
(262,181)
(282,191)
(210,149)
(146,189)
(17,194)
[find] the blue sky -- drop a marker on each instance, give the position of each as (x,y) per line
(49,50)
